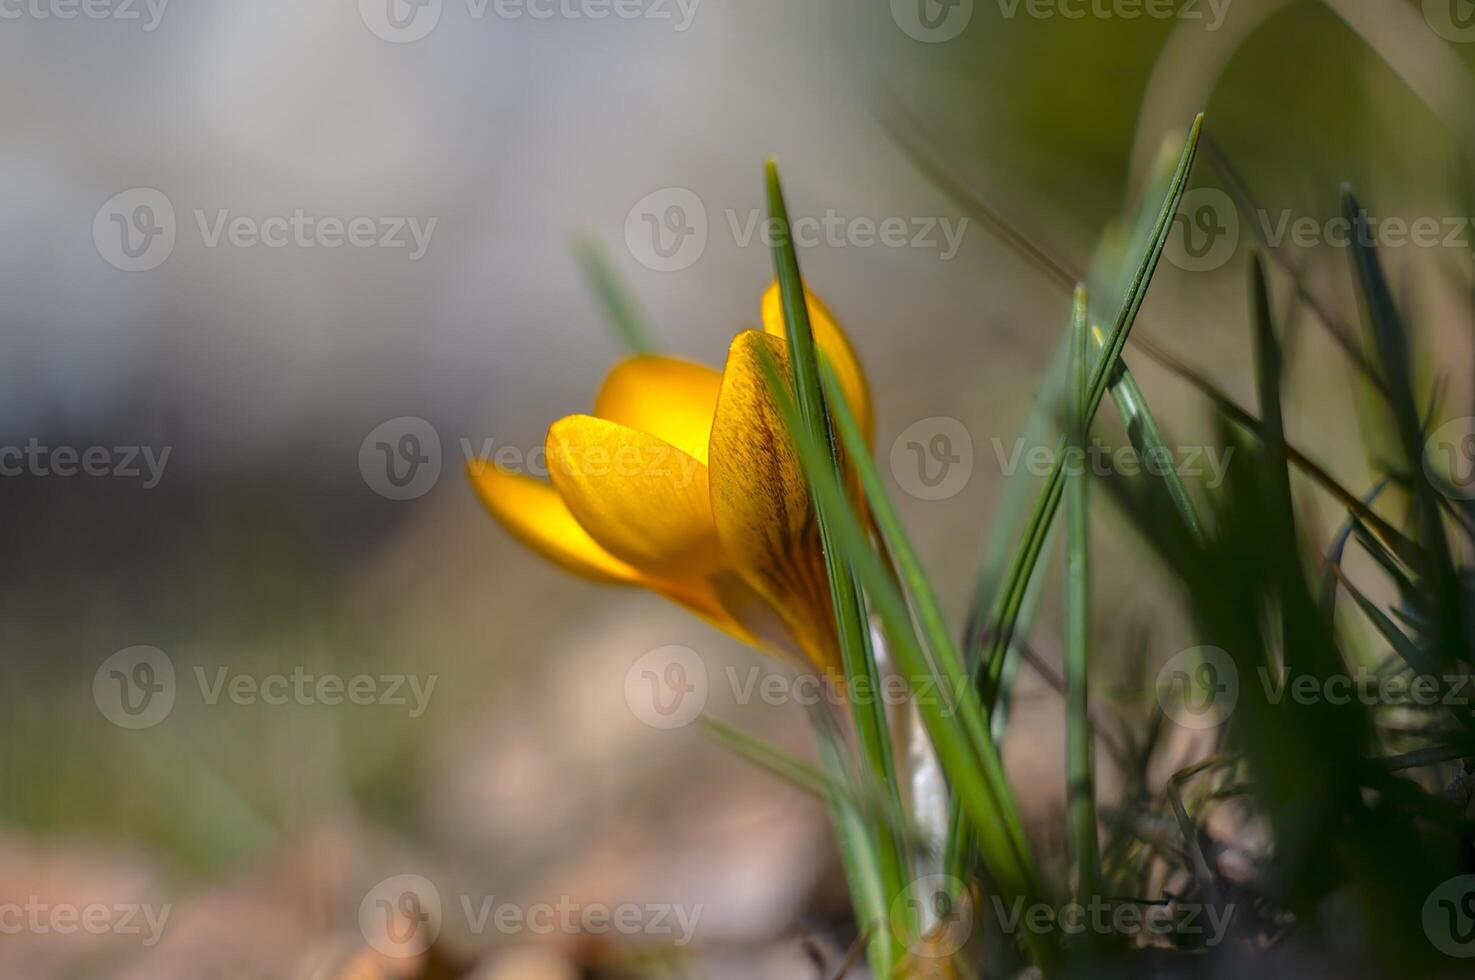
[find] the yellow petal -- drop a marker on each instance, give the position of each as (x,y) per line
(760,500)
(645,501)
(832,341)
(536,515)
(671,399)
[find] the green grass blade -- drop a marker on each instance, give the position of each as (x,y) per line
(1147,436)
(949,706)
(919,595)
(823,785)
(860,857)
(1409,651)
(618,302)
(848,812)
(1269,368)
(1395,539)
(1080,780)
(1251,208)
(1028,551)
(1337,549)
(1013,603)
(1392,344)
(772,759)
(850,614)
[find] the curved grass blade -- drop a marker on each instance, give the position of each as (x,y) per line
(1338,548)
(1391,341)
(1080,781)
(950,708)
(772,759)
(945,662)
(1408,651)
(1147,437)
(1251,210)
(1028,551)
(1392,536)
(819,783)
(858,658)
(619,305)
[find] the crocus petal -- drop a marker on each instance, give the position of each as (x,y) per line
(536,515)
(832,341)
(533,512)
(760,500)
(671,399)
(645,501)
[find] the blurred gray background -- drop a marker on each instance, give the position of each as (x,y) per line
(265,548)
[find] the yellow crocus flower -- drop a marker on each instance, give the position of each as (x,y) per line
(683,481)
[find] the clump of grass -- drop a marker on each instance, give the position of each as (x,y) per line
(1352,820)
